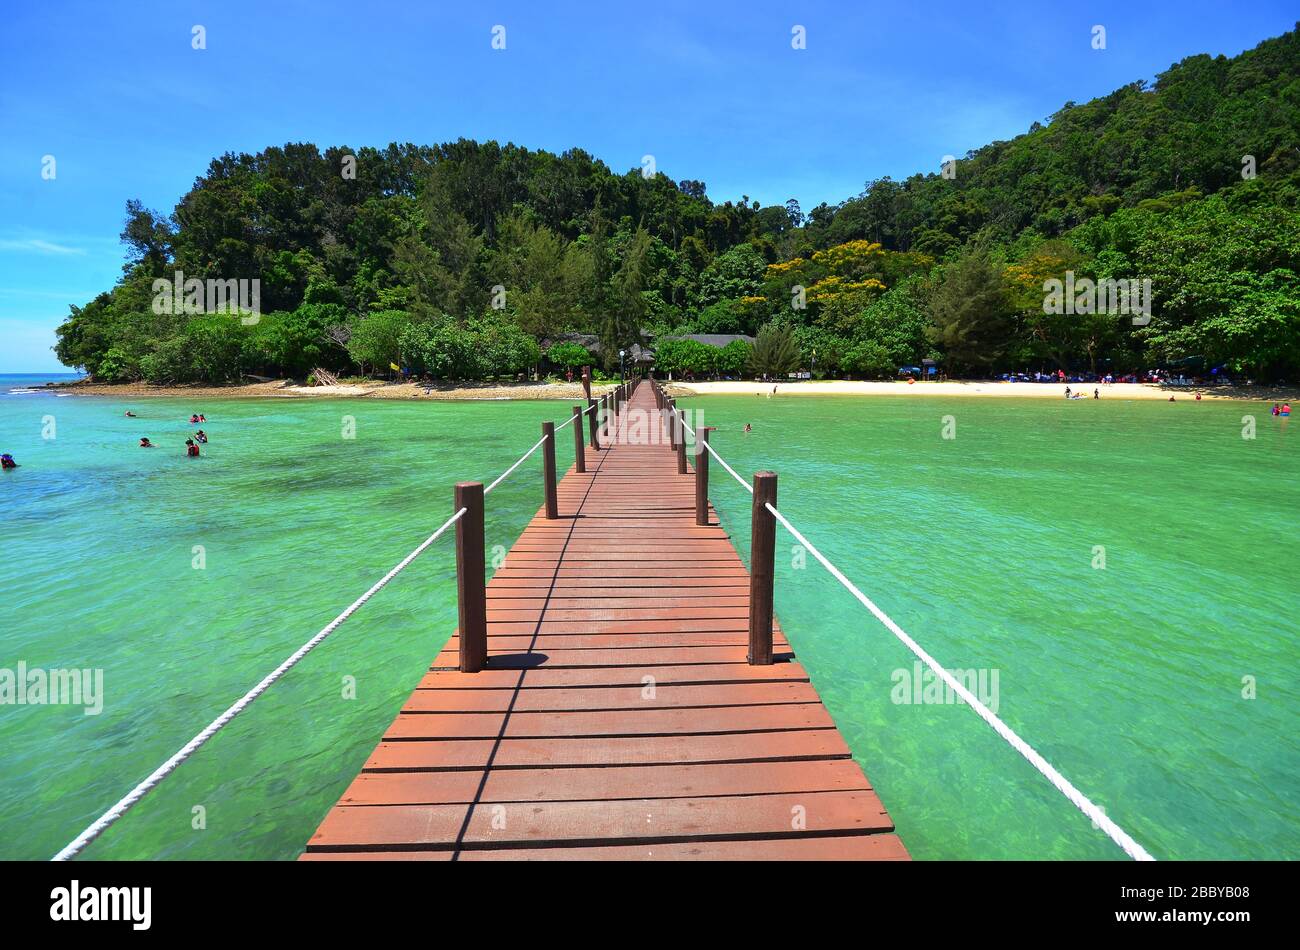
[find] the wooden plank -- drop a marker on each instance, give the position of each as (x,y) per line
(545,677)
(641,696)
(524,824)
(606,783)
(794,745)
(638,722)
(879,847)
(618,717)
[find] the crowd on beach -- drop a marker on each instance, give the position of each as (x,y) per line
(1159,377)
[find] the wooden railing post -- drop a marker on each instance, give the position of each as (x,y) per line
(681,440)
(471,585)
(762,557)
(702,475)
(579,450)
(548,470)
(593,422)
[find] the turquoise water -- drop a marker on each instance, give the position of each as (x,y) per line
(1128,679)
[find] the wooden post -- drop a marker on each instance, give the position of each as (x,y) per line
(672,424)
(579,453)
(762,557)
(593,422)
(702,475)
(471,585)
(681,440)
(586,382)
(548,470)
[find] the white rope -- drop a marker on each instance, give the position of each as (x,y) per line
(1062,784)
(523,458)
(721,461)
(100,825)
(569,421)
(1113,831)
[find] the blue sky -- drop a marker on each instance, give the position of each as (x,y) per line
(713,91)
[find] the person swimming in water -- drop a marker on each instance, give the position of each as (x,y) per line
(1286,409)
(194,417)
(191,449)
(748,427)
(201,436)
(145,443)
(1277,410)
(7,462)
(202,417)
(130,414)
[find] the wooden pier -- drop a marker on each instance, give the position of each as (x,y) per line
(625,708)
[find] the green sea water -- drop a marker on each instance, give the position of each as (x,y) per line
(186,581)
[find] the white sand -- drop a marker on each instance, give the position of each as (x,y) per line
(841,387)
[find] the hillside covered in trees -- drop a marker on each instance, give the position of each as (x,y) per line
(461,260)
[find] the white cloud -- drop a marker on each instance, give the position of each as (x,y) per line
(38,246)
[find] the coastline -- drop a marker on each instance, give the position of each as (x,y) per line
(984,389)
(379,389)
(570,392)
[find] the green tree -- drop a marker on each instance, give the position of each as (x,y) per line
(775,352)
(569,355)
(971,311)
(376,339)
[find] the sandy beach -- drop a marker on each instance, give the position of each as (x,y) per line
(572,392)
(841,387)
(373,389)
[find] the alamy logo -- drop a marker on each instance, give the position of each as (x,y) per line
(103,903)
(37,687)
(652,427)
(921,686)
(1109,296)
(192,295)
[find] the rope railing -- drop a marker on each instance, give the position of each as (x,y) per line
(106,820)
(1031,755)
(128,801)
(520,461)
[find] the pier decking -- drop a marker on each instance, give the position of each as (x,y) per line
(618,717)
